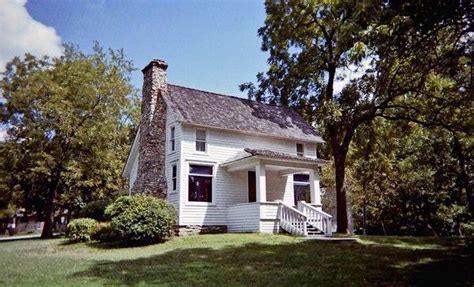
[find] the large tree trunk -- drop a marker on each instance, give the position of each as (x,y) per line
(49,215)
(340,164)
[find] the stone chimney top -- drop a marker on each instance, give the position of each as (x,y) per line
(160,64)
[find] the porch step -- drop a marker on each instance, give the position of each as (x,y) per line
(313,231)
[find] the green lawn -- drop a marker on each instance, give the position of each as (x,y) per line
(242,259)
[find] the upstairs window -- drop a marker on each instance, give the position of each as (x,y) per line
(201,140)
(200,183)
(300,149)
(172,139)
(174,177)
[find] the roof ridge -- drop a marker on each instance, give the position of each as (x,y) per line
(231,96)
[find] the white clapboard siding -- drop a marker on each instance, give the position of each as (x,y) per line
(279,187)
(243,217)
(133,173)
(173,157)
(268,218)
(228,188)
(253,217)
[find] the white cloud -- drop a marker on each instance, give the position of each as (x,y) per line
(20,33)
(3,134)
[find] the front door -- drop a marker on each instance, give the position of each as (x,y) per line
(302,192)
(252,184)
(301,188)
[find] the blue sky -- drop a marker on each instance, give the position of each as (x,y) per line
(210,45)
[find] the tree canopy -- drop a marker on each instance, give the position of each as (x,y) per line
(69,125)
(343,64)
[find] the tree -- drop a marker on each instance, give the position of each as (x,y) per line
(404,180)
(69,121)
(389,48)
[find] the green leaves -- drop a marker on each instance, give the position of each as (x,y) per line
(405,176)
(70,121)
(343,64)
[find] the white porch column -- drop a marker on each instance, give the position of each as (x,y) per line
(314,187)
(261,183)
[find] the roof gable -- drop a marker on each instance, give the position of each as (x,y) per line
(232,113)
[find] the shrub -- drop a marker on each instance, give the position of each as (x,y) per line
(141,219)
(95,209)
(103,232)
(80,230)
(467,228)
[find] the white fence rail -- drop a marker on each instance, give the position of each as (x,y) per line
(292,220)
(317,218)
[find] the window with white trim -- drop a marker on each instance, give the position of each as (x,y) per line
(301,190)
(300,149)
(172,139)
(174,177)
(200,183)
(201,140)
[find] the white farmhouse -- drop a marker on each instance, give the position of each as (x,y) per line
(227,164)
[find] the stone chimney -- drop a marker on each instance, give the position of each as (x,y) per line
(151,178)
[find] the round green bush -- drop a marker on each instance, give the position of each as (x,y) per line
(141,219)
(80,230)
(95,209)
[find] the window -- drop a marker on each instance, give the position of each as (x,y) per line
(252,186)
(174,176)
(301,188)
(172,139)
(301,178)
(299,149)
(201,140)
(200,183)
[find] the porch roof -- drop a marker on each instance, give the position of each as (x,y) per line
(249,155)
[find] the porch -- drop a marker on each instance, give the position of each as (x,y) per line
(273,217)
(272,207)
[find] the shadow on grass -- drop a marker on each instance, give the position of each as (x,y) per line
(304,263)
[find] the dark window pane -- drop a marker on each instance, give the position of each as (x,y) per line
(201,135)
(252,186)
(200,169)
(175,171)
(299,149)
(200,189)
(174,183)
(302,192)
(200,146)
(301,177)
(172,141)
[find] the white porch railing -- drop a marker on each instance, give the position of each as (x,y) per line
(317,218)
(292,220)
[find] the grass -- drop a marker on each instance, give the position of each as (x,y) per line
(242,259)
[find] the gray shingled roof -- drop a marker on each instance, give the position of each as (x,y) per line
(281,155)
(226,112)
(249,153)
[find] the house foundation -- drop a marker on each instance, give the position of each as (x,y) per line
(185,230)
